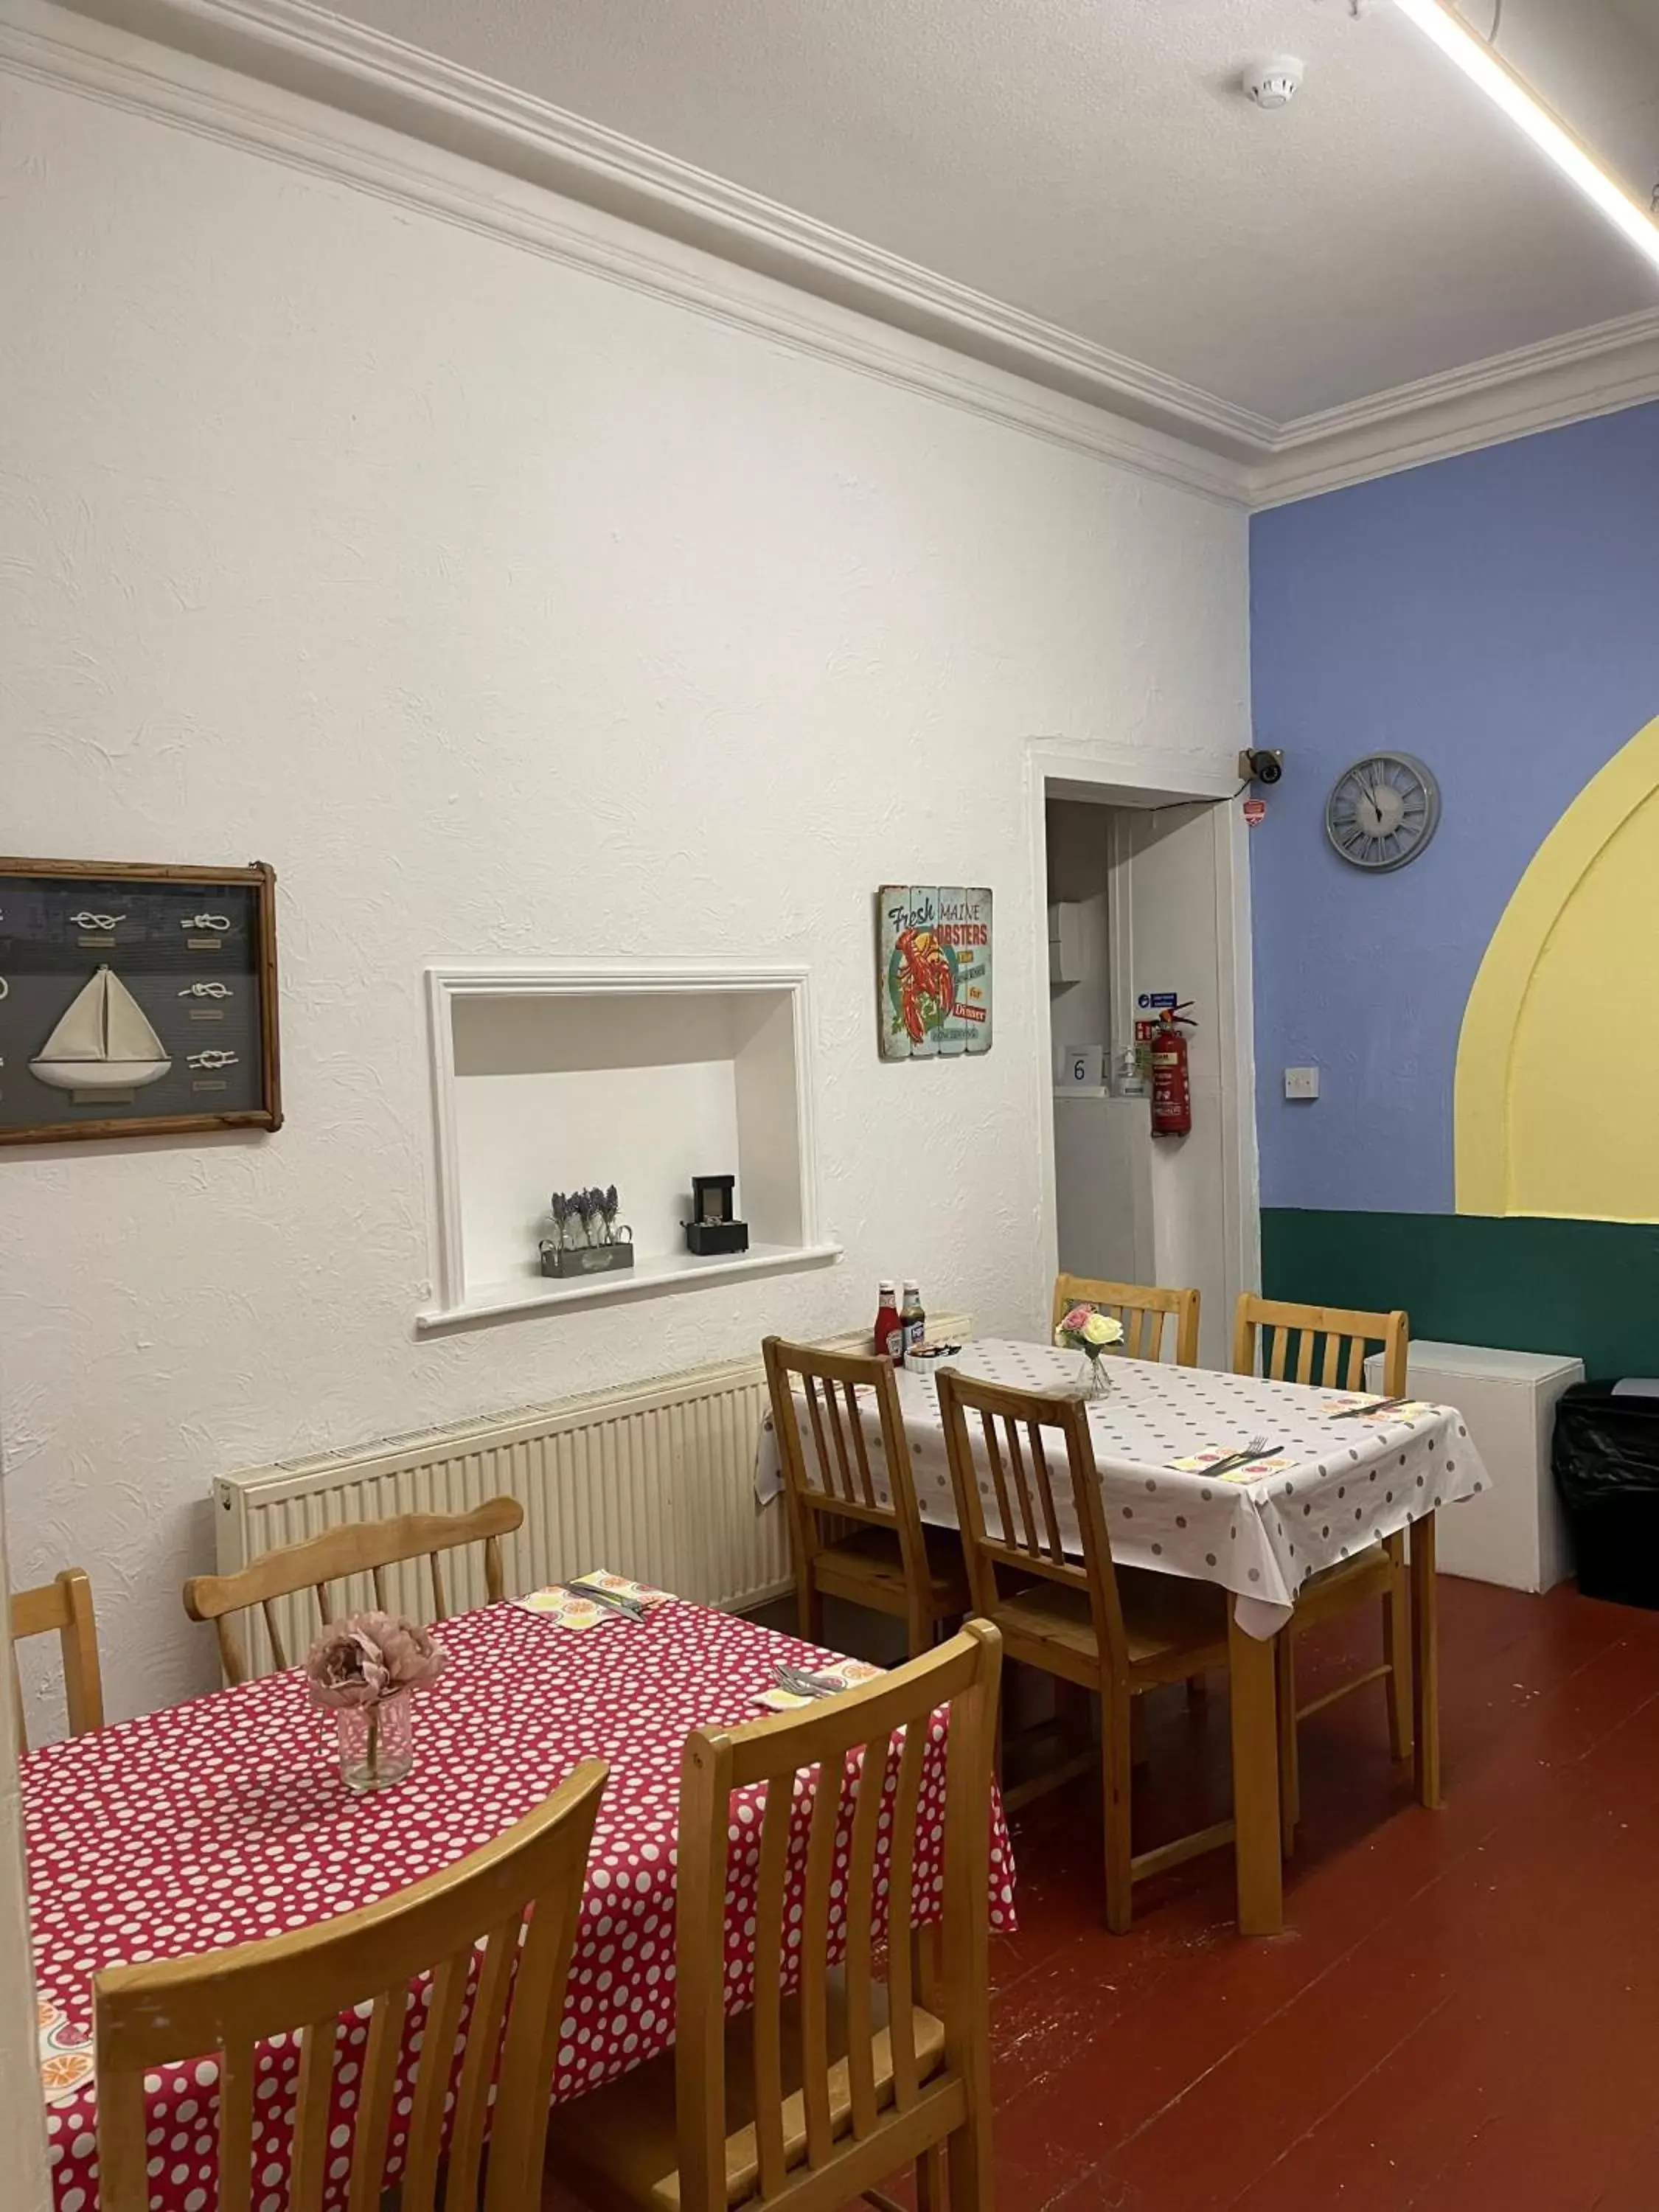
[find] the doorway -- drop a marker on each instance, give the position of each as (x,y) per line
(1146,893)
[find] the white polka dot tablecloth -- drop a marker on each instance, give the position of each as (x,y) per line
(1338,1485)
(225,1820)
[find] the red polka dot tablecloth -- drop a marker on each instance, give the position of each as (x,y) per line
(225,1820)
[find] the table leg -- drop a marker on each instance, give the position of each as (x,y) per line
(1256,1782)
(1426,1665)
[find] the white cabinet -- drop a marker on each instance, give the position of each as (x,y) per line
(1513,1533)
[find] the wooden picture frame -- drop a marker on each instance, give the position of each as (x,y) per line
(62,1005)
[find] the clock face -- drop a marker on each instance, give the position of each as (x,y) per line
(1382,810)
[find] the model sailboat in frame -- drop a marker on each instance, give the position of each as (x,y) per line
(103,1044)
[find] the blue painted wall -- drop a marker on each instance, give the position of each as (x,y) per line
(1498,615)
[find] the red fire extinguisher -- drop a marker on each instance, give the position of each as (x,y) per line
(1172,1093)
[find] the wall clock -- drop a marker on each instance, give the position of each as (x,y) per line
(1382,810)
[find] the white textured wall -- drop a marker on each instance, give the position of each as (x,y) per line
(505,610)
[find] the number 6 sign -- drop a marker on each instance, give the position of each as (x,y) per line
(1080,1067)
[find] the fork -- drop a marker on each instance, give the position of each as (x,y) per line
(1255,1448)
(800,1683)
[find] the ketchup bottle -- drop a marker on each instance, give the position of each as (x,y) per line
(889,1336)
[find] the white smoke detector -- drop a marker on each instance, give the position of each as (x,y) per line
(1275,82)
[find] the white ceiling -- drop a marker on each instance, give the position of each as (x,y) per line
(1090,163)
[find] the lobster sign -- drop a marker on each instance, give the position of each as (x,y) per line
(934,963)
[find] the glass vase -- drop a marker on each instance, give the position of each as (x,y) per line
(1097,1383)
(377,1742)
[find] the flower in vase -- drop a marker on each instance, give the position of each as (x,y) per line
(1086,1330)
(369,1657)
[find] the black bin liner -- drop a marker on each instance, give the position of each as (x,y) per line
(1604,1460)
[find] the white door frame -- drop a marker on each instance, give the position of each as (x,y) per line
(1156,777)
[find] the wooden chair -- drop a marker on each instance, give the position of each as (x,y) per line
(470,1917)
(808,2099)
(355,1549)
(1142,1308)
(1336,1342)
(1118,1633)
(65,1604)
(892,1563)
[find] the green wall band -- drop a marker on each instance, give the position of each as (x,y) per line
(1585,1287)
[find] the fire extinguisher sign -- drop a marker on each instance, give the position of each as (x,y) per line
(1152,1002)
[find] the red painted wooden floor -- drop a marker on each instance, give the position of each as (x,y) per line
(1464,2010)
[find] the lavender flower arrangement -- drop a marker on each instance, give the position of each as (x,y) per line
(583,1218)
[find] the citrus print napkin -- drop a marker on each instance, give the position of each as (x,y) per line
(849,1673)
(1358,1411)
(1201,1462)
(565,1609)
(66,2064)
(642,1593)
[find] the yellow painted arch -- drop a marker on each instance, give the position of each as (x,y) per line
(1544,1127)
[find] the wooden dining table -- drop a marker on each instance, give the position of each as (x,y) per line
(1335,1479)
(225,1820)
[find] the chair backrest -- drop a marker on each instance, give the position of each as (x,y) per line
(863,1766)
(463,1927)
(1142,1308)
(833,1475)
(65,1604)
(1031,1540)
(1332,1343)
(357,1547)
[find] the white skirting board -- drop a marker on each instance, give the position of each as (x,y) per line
(1513,1534)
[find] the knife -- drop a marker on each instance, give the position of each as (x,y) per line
(1377,1406)
(630,1608)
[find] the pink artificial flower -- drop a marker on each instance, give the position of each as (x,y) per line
(1075,1320)
(368,1656)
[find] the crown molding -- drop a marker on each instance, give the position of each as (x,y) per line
(288,80)
(306,49)
(314,133)
(1587,373)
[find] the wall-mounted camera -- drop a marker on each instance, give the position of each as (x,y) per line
(1260,766)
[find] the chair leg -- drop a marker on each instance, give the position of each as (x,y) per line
(1397,1654)
(931,2194)
(1115,1761)
(970,2151)
(1290,1771)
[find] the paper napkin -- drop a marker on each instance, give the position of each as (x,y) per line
(1201,1462)
(848,1672)
(566,1610)
(620,1586)
(66,2060)
(1357,1409)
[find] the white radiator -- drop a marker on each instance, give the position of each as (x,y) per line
(654,1480)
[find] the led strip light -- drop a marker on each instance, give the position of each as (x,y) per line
(1484,67)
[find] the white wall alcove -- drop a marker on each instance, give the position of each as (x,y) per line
(556,1077)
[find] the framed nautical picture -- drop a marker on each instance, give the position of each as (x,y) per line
(932,971)
(135,1001)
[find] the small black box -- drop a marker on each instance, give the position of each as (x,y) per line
(712,1227)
